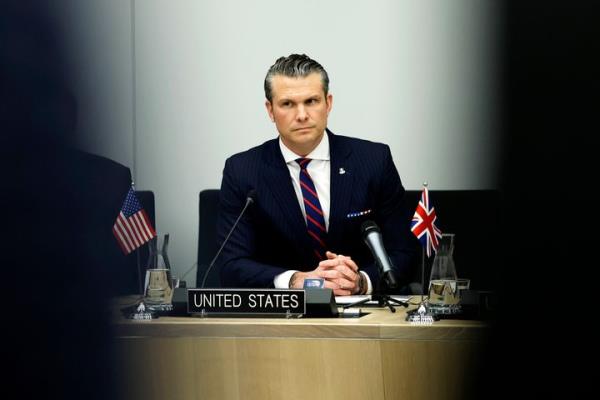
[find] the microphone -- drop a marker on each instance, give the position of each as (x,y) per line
(372,237)
(251,198)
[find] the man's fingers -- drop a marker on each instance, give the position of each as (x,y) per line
(339,272)
(338,260)
(330,255)
(347,272)
(348,269)
(330,274)
(326,264)
(340,286)
(350,263)
(331,285)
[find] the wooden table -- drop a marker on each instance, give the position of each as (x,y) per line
(377,356)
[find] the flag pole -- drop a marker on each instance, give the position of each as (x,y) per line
(421,315)
(422,275)
(138,261)
(423,267)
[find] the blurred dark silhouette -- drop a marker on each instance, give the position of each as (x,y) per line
(58,207)
(550,87)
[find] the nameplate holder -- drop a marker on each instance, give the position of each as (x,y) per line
(320,303)
(246,302)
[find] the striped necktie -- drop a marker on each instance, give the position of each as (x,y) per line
(315,221)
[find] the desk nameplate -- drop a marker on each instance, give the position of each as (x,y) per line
(246,301)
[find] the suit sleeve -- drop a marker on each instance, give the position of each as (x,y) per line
(392,219)
(239,267)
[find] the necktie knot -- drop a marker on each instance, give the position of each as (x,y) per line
(303,162)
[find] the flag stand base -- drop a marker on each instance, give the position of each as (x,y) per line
(421,315)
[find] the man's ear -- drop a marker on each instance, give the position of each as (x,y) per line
(329,99)
(269,107)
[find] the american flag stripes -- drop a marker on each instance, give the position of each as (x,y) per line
(132,227)
(423,224)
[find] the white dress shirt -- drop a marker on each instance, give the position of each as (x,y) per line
(319,170)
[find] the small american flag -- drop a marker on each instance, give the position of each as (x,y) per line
(423,224)
(132,227)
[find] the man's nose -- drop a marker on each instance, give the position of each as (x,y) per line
(302,115)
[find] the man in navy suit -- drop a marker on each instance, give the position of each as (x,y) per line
(312,190)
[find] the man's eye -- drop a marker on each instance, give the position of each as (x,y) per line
(286,104)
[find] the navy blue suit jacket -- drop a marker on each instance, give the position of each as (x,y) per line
(272,238)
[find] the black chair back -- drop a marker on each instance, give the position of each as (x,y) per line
(472,215)
(208,207)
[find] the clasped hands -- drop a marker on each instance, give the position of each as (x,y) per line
(339,272)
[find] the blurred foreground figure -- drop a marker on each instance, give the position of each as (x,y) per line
(56,223)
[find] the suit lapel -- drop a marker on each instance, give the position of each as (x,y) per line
(277,181)
(342,179)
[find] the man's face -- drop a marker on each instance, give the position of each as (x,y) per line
(299,110)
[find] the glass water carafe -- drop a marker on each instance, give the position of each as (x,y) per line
(159,285)
(443,292)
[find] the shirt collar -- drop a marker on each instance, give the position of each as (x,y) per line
(321,152)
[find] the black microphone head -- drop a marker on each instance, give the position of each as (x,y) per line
(251,198)
(368,227)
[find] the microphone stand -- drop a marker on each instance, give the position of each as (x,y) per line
(384,299)
(249,200)
(380,295)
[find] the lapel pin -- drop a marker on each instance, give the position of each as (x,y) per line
(359,213)
(342,171)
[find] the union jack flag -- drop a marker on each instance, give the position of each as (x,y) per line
(132,227)
(423,224)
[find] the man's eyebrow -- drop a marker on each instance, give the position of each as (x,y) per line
(310,97)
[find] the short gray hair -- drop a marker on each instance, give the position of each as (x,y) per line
(293,66)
